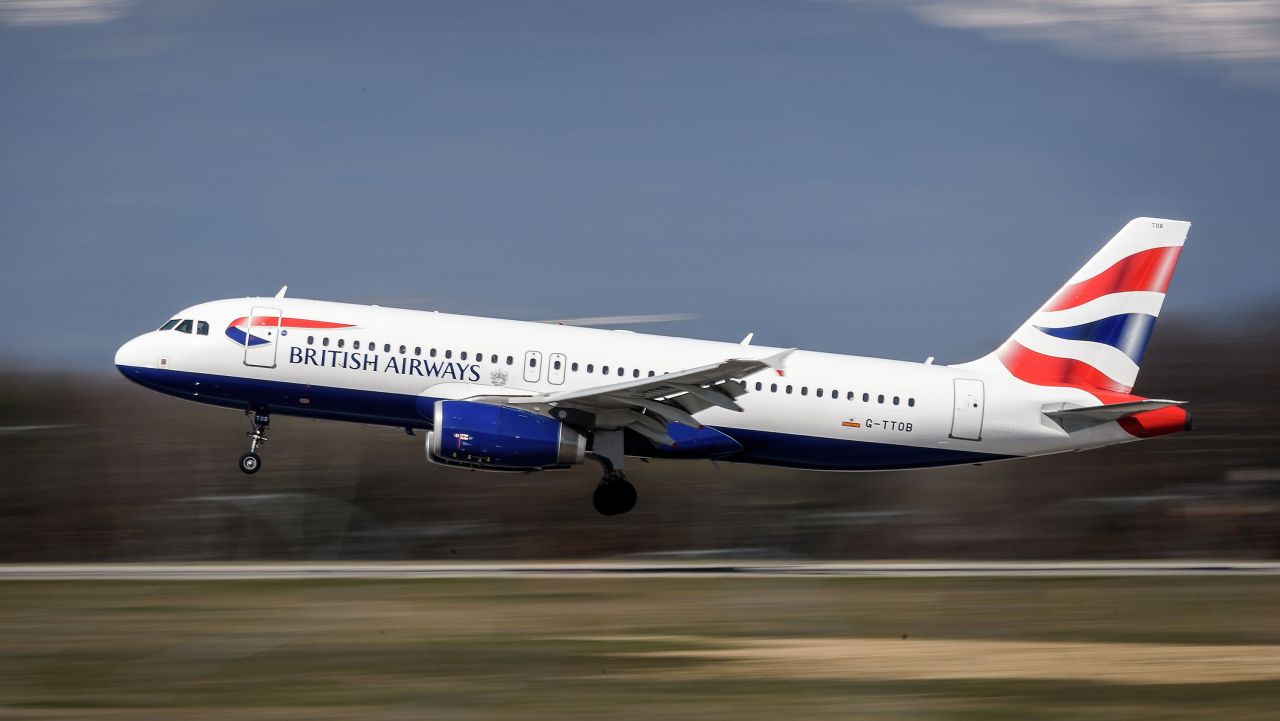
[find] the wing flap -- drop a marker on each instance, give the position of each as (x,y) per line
(647,405)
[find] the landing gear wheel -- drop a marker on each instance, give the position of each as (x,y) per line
(614,496)
(250,463)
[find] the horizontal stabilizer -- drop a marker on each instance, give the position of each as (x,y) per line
(1114,412)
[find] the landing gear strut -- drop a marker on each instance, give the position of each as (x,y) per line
(251,461)
(615,495)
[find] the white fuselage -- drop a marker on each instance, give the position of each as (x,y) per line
(823,411)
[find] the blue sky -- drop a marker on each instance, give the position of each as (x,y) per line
(902,179)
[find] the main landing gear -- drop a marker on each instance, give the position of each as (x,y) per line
(615,495)
(251,461)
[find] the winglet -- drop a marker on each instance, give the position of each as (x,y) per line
(778,361)
(747,340)
(283,289)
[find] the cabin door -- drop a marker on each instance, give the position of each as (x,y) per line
(261,337)
(966,421)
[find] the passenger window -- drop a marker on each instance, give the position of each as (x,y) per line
(788,389)
(759,386)
(355,345)
(604,370)
(818,392)
(462,355)
(325,341)
(169,325)
(880,399)
(850,395)
(773,387)
(202,327)
(510,360)
(895,400)
(533,362)
(574,366)
(402,350)
(556,365)
(341,342)
(911,402)
(417,350)
(804,390)
(493,358)
(651,374)
(621,370)
(591,368)
(311,340)
(432,353)
(635,373)
(386,347)
(184,327)
(866,397)
(448,354)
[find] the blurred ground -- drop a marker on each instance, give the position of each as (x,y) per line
(639,648)
(96,469)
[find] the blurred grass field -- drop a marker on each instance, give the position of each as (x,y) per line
(640,648)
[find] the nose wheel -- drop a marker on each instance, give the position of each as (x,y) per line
(251,462)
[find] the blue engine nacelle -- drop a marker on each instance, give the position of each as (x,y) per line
(481,435)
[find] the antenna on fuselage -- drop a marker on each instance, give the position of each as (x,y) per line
(280,293)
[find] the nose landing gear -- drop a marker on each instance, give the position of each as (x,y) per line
(251,461)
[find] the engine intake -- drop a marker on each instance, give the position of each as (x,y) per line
(481,435)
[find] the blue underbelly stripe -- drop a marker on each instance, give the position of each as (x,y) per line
(402,410)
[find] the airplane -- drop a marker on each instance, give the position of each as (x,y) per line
(521,396)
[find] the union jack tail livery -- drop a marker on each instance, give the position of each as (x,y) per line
(1092,333)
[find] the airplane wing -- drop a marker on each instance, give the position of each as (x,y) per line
(647,405)
(1114,412)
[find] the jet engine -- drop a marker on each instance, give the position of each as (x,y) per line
(500,438)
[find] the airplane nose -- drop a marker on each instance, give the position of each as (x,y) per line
(131,354)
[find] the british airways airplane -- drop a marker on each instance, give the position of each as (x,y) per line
(506,395)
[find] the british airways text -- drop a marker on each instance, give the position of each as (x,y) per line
(374,363)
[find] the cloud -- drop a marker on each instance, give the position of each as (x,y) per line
(1235,31)
(61,12)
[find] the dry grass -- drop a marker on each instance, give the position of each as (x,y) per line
(640,648)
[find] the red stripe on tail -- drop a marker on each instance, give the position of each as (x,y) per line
(1043,370)
(1149,270)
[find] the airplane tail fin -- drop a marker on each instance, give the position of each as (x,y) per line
(1092,333)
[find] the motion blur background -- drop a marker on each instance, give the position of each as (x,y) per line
(894,179)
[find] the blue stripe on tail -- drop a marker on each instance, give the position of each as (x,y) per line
(1128,333)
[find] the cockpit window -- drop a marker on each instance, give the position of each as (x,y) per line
(202,327)
(184,326)
(170,324)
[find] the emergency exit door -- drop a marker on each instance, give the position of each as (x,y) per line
(261,337)
(966,420)
(532,366)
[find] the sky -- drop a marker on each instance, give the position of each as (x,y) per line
(902,179)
